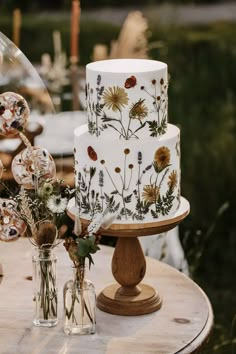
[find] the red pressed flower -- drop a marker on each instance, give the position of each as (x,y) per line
(130,82)
(92,153)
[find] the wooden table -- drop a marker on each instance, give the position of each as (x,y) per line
(181,326)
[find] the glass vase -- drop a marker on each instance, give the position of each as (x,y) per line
(79,305)
(45,288)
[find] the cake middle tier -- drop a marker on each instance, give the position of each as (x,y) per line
(139,180)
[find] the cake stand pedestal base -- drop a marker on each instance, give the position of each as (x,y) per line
(130,297)
(147,301)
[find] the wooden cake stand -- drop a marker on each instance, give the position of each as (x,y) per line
(130,297)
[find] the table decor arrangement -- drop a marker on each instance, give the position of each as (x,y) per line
(35,207)
(79,297)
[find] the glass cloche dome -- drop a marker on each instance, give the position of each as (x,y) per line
(18,75)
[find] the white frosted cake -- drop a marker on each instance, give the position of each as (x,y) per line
(127,158)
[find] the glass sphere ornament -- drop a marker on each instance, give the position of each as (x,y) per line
(31,165)
(11,226)
(14,113)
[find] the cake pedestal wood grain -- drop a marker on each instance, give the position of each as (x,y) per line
(131,298)
(182,325)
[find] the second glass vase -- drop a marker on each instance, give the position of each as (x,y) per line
(79,305)
(45,289)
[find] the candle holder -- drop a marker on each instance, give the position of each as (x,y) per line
(130,297)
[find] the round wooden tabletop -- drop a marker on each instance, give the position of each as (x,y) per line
(182,325)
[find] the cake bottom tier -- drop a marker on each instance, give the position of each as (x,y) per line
(137,180)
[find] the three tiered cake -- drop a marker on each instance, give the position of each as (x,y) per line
(127,158)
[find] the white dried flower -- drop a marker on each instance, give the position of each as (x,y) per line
(57,204)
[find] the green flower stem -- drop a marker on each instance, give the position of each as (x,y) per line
(47,294)
(112,181)
(79,280)
(124,205)
(124,182)
(128,129)
(124,132)
(131,174)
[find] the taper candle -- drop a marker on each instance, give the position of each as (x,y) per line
(75,20)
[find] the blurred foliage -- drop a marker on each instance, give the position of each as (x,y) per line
(36,41)
(60,5)
(202,101)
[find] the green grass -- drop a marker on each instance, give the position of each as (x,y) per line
(202,101)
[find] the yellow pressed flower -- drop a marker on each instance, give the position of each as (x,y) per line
(162,157)
(115,98)
(138,110)
(150,193)
(172,180)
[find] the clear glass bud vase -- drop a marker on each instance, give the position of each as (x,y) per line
(45,288)
(79,304)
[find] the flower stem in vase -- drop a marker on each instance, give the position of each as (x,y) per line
(45,295)
(79,304)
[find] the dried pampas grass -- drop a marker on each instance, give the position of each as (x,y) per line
(132,41)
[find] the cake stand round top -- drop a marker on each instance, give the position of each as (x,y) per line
(141,229)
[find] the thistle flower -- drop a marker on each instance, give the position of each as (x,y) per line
(46,235)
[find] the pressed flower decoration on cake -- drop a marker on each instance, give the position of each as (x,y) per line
(152,189)
(115,109)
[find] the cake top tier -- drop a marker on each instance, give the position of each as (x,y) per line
(114,66)
(127,98)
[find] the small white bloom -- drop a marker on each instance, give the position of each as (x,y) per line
(57,204)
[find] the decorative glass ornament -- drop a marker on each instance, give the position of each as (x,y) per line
(10,225)
(17,74)
(14,113)
(32,164)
